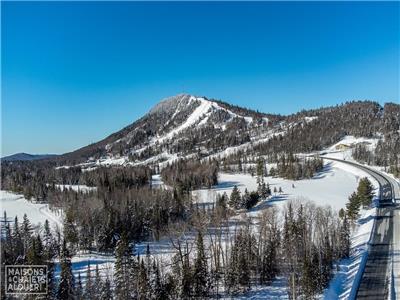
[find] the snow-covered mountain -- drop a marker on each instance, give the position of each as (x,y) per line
(187,126)
(179,126)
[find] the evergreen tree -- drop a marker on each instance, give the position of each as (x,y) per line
(353,207)
(125,270)
(345,243)
(143,282)
(66,287)
(35,252)
(200,274)
(260,168)
(235,198)
(365,192)
(26,233)
(155,282)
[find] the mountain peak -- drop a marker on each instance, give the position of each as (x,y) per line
(170,104)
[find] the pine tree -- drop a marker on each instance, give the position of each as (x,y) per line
(66,287)
(245,199)
(344,250)
(125,270)
(260,168)
(155,282)
(243,264)
(200,274)
(235,198)
(26,233)
(365,192)
(35,252)
(353,206)
(143,282)
(70,229)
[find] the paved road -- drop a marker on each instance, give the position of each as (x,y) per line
(375,282)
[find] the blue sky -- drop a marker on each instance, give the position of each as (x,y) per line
(73,73)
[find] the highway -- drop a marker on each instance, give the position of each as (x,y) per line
(380,271)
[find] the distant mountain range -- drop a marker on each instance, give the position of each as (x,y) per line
(26,156)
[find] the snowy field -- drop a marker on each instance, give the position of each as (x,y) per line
(332,186)
(16,205)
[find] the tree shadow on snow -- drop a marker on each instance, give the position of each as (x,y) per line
(227,184)
(268,202)
(324,172)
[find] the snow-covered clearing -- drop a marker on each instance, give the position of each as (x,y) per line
(76,187)
(81,262)
(277,290)
(17,205)
(332,186)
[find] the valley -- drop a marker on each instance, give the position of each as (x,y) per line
(198,180)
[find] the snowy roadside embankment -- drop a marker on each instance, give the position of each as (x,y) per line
(351,269)
(345,282)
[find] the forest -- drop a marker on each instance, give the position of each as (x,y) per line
(125,210)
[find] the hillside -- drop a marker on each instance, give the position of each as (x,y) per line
(186,126)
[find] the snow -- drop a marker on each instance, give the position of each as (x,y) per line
(81,261)
(234,149)
(197,114)
(17,205)
(351,141)
(112,161)
(156,181)
(310,119)
(332,186)
(277,290)
(76,187)
(340,286)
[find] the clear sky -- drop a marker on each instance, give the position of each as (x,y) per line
(73,73)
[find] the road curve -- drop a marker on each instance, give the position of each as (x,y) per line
(376,278)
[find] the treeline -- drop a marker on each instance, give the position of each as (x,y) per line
(189,175)
(314,238)
(22,244)
(38,179)
(386,154)
(217,262)
(248,199)
(95,221)
(291,167)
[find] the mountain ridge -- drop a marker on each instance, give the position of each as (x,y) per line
(187,126)
(22,156)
